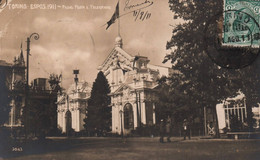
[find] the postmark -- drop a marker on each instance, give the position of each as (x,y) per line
(240,23)
(3,4)
(232,39)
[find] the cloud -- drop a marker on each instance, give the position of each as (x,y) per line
(137,43)
(75,39)
(67,24)
(64,44)
(56,60)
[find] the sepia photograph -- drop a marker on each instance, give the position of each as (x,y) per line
(129,79)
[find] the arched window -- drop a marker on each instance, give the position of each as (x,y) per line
(128,117)
(68,121)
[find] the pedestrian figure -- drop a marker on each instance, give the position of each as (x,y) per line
(168,129)
(186,129)
(161,130)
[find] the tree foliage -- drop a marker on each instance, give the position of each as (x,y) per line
(202,83)
(40,117)
(98,115)
(54,81)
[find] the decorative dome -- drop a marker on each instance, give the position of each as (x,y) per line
(119,42)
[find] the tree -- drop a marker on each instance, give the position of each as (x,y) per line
(54,81)
(4,98)
(56,89)
(42,110)
(201,82)
(98,116)
(163,103)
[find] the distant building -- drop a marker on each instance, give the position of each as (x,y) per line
(40,84)
(40,91)
(42,95)
(133,81)
(15,80)
(72,106)
(235,107)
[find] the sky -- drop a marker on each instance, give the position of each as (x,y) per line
(73,37)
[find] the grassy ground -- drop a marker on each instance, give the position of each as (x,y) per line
(138,149)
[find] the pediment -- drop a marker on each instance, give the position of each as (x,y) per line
(117,55)
(123,89)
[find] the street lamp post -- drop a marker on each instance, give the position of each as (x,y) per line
(36,36)
(121,112)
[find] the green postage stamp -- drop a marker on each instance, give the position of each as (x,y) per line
(241,23)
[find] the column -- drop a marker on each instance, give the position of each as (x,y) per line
(154,118)
(143,112)
(77,116)
(113,118)
(119,124)
(64,120)
(78,124)
(135,115)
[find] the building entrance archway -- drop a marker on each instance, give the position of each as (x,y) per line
(68,121)
(128,116)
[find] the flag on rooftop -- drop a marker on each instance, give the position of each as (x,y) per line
(114,17)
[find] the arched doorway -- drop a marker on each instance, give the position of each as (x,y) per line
(68,121)
(128,116)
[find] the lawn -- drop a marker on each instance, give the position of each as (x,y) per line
(138,149)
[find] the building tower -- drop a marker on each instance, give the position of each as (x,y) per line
(17,87)
(76,79)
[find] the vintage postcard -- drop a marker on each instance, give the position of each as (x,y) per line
(129,79)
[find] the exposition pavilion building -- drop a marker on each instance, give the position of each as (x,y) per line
(72,105)
(133,81)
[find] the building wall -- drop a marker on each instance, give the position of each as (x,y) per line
(128,75)
(15,81)
(231,107)
(75,101)
(143,84)
(221,117)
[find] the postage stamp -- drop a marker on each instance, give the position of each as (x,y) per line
(241,23)
(241,46)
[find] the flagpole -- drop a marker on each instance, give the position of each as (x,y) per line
(118,19)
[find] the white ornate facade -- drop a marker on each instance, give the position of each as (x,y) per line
(132,80)
(71,107)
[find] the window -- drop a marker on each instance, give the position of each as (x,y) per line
(128,117)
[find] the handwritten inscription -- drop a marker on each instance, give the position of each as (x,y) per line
(144,4)
(141,15)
